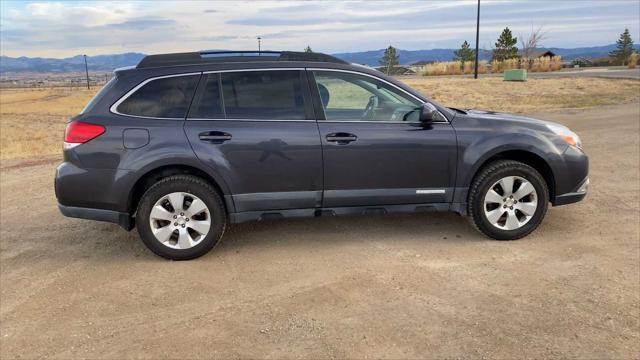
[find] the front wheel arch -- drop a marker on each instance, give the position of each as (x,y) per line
(478,205)
(525,157)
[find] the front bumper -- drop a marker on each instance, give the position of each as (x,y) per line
(573,197)
(122,219)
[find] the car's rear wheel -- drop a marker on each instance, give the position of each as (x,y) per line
(507,200)
(181,217)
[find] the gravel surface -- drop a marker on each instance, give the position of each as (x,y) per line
(415,286)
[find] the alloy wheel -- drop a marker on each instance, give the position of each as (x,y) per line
(180,220)
(510,203)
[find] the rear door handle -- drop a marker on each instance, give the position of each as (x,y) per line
(341,138)
(214,137)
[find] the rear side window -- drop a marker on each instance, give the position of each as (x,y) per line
(269,95)
(208,102)
(161,98)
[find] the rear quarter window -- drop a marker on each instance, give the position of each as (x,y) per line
(167,97)
(104,90)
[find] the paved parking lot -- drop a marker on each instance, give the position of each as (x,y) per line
(423,285)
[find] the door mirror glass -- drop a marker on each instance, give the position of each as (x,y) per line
(428,113)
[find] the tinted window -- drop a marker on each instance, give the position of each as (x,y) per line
(208,102)
(163,98)
(274,95)
(347,96)
(105,89)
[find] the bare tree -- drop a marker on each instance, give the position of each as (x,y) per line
(533,41)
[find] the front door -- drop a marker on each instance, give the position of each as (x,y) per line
(375,152)
(257,130)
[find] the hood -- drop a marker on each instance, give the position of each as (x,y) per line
(512,118)
(482,114)
(516,124)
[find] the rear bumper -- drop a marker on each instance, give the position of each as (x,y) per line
(107,189)
(122,219)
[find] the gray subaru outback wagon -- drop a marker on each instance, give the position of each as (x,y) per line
(182,145)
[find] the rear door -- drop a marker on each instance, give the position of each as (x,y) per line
(256,128)
(375,152)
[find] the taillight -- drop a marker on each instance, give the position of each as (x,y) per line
(78,132)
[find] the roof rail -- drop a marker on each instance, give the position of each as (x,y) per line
(209,57)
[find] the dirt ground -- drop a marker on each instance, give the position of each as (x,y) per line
(415,286)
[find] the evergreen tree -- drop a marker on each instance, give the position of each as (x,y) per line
(308,49)
(505,46)
(624,48)
(465,53)
(390,59)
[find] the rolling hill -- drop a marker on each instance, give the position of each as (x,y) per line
(371,58)
(75,63)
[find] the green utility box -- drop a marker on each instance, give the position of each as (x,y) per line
(515,75)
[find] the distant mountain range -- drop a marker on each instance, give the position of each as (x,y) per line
(371,58)
(75,63)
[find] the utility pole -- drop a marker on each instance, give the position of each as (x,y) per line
(475,71)
(259,49)
(86,69)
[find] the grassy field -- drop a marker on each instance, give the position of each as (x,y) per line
(32,121)
(534,95)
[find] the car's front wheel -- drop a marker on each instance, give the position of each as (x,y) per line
(181,217)
(507,200)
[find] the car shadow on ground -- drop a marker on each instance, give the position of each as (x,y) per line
(108,240)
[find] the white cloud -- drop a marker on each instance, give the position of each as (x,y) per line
(59,29)
(94,14)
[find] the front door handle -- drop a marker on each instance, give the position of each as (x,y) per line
(214,137)
(341,138)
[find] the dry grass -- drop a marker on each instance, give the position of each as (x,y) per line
(32,121)
(544,64)
(453,68)
(634,59)
(469,67)
(526,97)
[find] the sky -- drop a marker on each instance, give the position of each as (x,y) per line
(66,28)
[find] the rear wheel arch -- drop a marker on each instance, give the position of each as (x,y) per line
(181,217)
(526,157)
(156,174)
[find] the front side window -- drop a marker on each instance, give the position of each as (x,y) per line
(349,97)
(270,95)
(161,98)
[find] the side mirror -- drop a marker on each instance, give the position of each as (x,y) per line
(428,113)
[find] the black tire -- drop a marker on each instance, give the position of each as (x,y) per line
(189,184)
(482,183)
